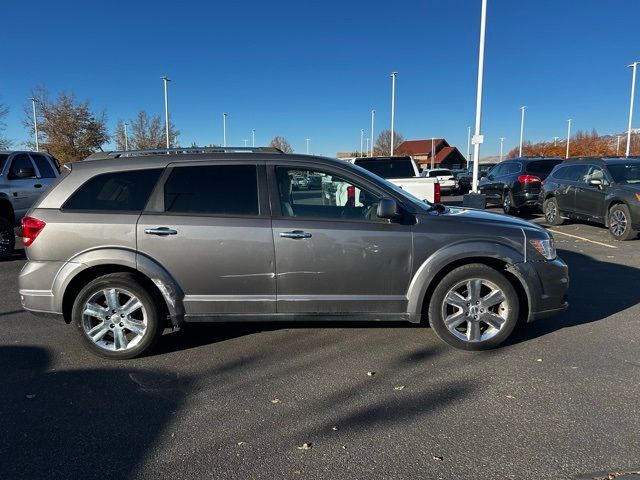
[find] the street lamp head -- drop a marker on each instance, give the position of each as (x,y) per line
(394,74)
(523,107)
(165,78)
(634,64)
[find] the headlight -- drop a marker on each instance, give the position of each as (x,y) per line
(546,248)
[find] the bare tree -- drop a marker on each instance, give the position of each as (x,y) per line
(67,128)
(383,142)
(5,143)
(145,133)
(282,144)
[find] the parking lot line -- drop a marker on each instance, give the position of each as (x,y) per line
(582,238)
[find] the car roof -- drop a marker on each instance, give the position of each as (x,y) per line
(530,159)
(603,160)
(9,152)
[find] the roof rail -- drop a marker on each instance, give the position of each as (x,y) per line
(180,151)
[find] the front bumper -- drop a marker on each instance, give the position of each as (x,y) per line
(547,284)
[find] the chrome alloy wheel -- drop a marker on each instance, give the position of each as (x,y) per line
(551,212)
(618,222)
(114,319)
(475,310)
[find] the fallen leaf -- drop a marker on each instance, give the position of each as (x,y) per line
(306,446)
(241,443)
(510,397)
(30,396)
(371,374)
(275,400)
(539,360)
(438,458)
(334,428)
(399,387)
(344,447)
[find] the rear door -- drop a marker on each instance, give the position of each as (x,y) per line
(333,254)
(46,170)
(490,183)
(208,224)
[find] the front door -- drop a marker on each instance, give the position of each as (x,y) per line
(590,198)
(209,229)
(23,188)
(333,254)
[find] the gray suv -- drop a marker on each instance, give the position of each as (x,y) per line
(126,246)
(23,178)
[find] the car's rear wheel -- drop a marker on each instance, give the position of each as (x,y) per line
(507,203)
(552,212)
(620,223)
(7,238)
(117,317)
(474,307)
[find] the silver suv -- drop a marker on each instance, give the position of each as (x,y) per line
(23,178)
(126,246)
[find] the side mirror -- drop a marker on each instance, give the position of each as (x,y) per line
(27,172)
(388,208)
(596,182)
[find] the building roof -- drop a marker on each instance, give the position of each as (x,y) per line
(419,147)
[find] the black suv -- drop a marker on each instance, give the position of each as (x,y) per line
(465,179)
(603,190)
(515,183)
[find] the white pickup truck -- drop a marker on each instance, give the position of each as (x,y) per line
(403,172)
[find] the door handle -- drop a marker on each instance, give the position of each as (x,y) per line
(160,231)
(296,234)
(37,185)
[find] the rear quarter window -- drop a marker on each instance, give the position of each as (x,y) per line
(542,167)
(118,191)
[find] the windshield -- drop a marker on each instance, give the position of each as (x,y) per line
(417,201)
(389,168)
(625,172)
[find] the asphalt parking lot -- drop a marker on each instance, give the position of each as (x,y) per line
(560,400)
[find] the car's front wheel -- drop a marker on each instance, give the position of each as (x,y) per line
(117,317)
(620,223)
(552,212)
(474,307)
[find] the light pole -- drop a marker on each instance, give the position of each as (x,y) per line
(477,138)
(501,143)
(634,65)
(368,146)
(307,140)
(568,137)
(253,137)
(362,142)
(126,137)
(166,80)
(35,123)
(393,106)
(521,129)
(373,116)
(224,129)
(468,145)
(555,141)
(433,153)
(618,146)
(245,142)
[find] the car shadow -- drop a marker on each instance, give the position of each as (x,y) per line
(597,290)
(81,423)
(18,254)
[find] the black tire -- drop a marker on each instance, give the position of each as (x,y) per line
(507,203)
(508,310)
(552,212)
(124,283)
(620,223)
(7,238)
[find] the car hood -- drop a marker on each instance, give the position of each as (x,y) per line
(474,216)
(630,187)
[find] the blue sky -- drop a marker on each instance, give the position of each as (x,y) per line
(316,69)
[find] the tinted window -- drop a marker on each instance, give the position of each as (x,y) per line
(396,168)
(571,173)
(3,160)
(542,167)
(496,170)
(19,162)
(121,191)
(337,198)
(512,168)
(213,189)
(44,167)
(594,173)
(625,172)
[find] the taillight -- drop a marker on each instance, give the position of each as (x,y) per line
(351,196)
(528,179)
(31,228)
(436,192)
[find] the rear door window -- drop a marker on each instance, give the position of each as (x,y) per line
(20,162)
(212,189)
(572,173)
(44,166)
(118,191)
(392,168)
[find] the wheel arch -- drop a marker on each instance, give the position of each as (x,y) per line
(610,204)
(6,210)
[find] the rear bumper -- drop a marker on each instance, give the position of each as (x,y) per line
(36,287)
(522,199)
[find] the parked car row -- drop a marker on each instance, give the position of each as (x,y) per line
(601,190)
